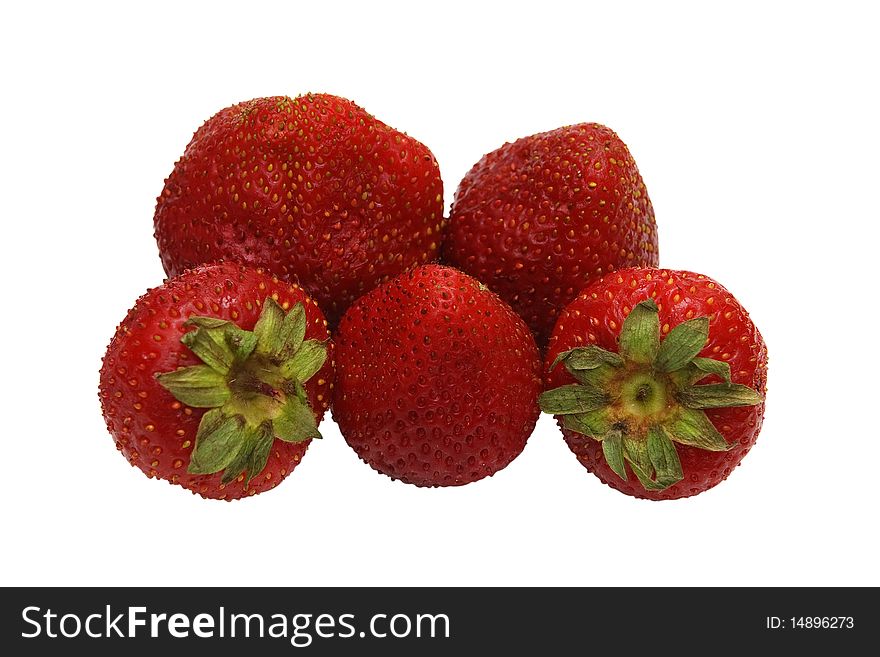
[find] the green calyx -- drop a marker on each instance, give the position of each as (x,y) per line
(641,401)
(253,382)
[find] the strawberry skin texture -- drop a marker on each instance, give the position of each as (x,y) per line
(596,317)
(312,188)
(153,430)
(438,379)
(539,218)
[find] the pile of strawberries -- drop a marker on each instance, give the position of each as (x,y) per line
(311,268)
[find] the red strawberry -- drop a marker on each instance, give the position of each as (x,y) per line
(438,379)
(657,378)
(217,380)
(312,188)
(537,219)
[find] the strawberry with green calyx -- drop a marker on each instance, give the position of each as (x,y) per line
(253,382)
(217,379)
(664,409)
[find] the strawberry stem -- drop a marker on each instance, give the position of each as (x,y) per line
(642,401)
(253,384)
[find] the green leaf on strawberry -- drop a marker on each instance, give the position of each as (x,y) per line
(643,400)
(253,383)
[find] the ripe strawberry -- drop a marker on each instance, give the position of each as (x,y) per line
(438,379)
(658,419)
(537,219)
(217,380)
(312,188)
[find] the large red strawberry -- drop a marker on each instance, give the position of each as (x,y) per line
(657,378)
(438,379)
(217,380)
(537,219)
(312,188)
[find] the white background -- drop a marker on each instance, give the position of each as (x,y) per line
(755,128)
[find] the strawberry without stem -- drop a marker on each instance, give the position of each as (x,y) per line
(537,219)
(217,379)
(312,188)
(437,380)
(657,378)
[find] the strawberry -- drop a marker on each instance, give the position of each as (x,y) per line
(438,379)
(312,188)
(657,379)
(538,219)
(217,380)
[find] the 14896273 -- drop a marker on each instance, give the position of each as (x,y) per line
(810,623)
